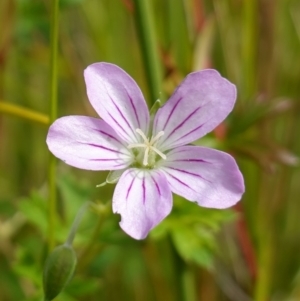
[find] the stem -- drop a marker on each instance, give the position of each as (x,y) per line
(264,277)
(53,115)
(188,284)
(146,32)
(15,110)
(76,223)
(249,48)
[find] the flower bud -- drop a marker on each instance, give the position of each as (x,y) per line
(58,271)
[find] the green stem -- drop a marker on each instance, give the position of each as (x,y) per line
(264,277)
(146,32)
(15,110)
(53,115)
(249,48)
(188,284)
(76,223)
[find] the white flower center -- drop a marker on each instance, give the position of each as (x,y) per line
(148,146)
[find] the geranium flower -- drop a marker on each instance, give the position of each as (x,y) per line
(151,156)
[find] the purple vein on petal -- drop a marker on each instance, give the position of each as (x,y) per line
(189,173)
(108,135)
(117,123)
(103,147)
(172,111)
(144,191)
(175,178)
(180,150)
(134,109)
(190,132)
(120,112)
(157,187)
(129,188)
(183,122)
(190,160)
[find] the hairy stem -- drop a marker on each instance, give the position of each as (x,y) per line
(53,115)
(76,223)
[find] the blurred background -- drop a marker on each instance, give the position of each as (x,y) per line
(250,252)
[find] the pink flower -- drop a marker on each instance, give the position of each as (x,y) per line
(151,158)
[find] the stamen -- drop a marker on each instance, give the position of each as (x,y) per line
(148,145)
(133,145)
(159,152)
(154,139)
(143,135)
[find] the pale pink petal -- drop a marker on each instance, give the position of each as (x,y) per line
(117,99)
(203,175)
(144,199)
(87,143)
(199,104)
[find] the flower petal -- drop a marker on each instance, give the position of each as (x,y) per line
(198,105)
(87,143)
(207,176)
(117,99)
(144,199)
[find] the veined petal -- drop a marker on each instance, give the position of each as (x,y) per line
(207,176)
(144,199)
(87,143)
(198,105)
(117,99)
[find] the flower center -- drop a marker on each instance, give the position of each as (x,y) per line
(148,146)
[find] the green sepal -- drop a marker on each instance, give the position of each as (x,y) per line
(114,176)
(155,108)
(153,111)
(58,270)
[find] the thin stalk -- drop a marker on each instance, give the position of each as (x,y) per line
(76,223)
(265,261)
(146,31)
(15,110)
(249,49)
(188,284)
(53,115)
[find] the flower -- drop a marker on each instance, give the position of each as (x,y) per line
(151,157)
